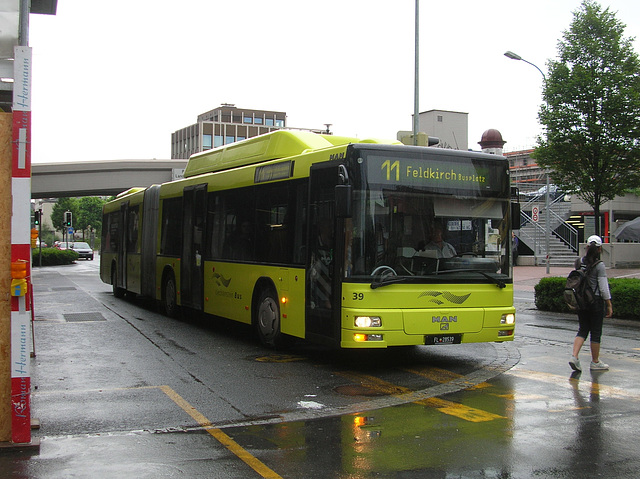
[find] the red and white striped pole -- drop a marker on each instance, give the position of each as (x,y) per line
(21,247)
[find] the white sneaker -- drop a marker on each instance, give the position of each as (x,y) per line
(599,366)
(575,364)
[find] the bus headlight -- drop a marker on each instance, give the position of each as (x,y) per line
(509,318)
(368,322)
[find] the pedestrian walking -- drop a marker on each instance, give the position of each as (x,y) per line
(590,320)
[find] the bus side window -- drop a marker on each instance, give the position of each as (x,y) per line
(133,230)
(113,231)
(241,245)
(238,229)
(214,234)
(171,234)
(275,223)
(227,230)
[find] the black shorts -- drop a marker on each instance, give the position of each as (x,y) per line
(591,320)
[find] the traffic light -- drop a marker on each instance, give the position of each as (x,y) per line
(68,218)
(36,217)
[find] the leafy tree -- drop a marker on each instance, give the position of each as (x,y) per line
(591,110)
(87,211)
(90,213)
(58,210)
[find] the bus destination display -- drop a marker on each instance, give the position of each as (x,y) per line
(426,173)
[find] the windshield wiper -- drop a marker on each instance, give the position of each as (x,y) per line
(498,281)
(389,280)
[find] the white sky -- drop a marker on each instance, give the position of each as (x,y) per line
(113,79)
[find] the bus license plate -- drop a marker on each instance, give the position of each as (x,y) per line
(443,339)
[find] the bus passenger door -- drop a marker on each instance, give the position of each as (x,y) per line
(323,298)
(192,262)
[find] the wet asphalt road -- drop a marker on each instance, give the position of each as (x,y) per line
(122,391)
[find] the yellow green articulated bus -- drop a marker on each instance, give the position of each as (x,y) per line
(343,242)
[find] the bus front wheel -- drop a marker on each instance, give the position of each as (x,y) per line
(268,320)
(169,296)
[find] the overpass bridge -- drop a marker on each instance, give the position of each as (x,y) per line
(100,178)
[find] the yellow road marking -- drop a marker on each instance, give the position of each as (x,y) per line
(280,358)
(217,433)
(447,407)
(442,376)
(459,410)
(220,436)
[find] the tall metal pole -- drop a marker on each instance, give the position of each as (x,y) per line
(547,227)
(416,88)
(23,32)
(547,221)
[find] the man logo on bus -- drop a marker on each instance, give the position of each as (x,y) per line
(444,319)
(444,326)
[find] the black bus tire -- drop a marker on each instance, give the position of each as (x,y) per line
(169,296)
(267,320)
(117,291)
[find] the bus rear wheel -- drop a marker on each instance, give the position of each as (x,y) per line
(268,320)
(117,292)
(169,296)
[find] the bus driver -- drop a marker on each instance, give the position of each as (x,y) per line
(438,245)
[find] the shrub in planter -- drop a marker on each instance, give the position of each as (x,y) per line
(54,256)
(624,296)
(549,295)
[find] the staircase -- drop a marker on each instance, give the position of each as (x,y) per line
(563,238)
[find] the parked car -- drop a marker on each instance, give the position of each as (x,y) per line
(554,192)
(61,245)
(83,249)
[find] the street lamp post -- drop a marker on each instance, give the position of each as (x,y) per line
(515,56)
(416,87)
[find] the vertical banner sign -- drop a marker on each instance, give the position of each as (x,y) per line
(21,246)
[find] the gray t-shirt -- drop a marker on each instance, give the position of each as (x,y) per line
(597,279)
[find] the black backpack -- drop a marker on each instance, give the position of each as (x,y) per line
(577,293)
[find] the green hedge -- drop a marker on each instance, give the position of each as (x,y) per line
(624,296)
(54,256)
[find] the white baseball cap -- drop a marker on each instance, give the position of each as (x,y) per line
(594,239)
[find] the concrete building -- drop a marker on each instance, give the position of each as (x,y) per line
(451,127)
(525,172)
(223,125)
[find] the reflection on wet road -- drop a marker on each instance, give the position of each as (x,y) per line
(521,424)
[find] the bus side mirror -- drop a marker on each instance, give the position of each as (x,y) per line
(515,216)
(343,201)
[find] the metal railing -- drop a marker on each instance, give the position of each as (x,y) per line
(558,227)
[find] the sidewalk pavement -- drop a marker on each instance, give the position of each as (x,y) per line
(526,277)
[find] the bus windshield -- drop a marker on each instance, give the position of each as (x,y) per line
(403,230)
